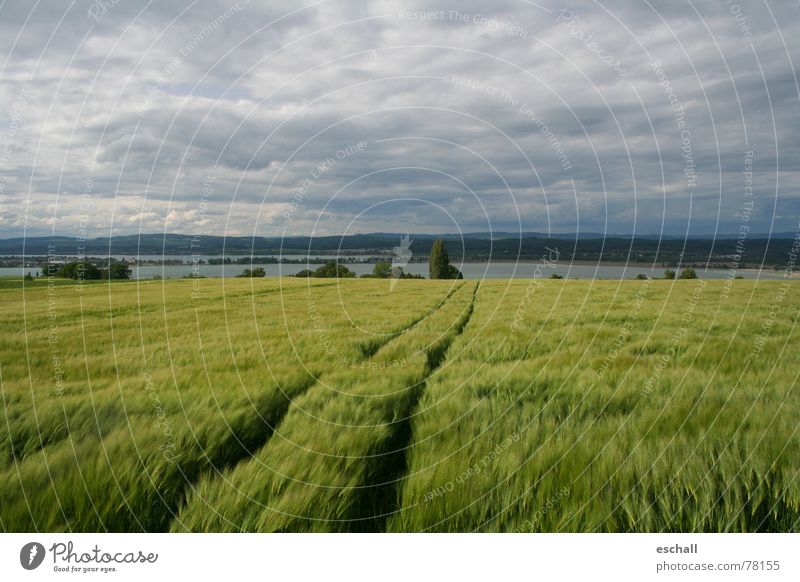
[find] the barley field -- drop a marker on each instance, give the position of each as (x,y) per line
(288,405)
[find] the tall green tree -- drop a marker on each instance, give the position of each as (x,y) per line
(440,267)
(439,261)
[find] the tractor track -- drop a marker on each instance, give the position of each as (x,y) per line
(379,495)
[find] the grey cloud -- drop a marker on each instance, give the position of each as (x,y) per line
(182,92)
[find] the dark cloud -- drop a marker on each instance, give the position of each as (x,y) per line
(119,115)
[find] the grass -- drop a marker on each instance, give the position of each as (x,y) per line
(287,405)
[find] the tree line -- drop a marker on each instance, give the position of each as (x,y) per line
(88,271)
(439,268)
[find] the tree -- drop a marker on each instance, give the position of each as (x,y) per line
(439,261)
(556,276)
(382,270)
(305,273)
(669,274)
(119,271)
(641,277)
(440,267)
(333,270)
(688,274)
(80,270)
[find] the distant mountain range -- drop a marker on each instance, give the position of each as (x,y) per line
(585,235)
(757,249)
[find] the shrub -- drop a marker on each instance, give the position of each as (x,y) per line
(254,272)
(453,273)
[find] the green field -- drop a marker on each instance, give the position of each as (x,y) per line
(284,405)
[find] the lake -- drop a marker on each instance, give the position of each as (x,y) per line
(494,270)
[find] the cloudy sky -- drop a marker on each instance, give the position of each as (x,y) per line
(330,117)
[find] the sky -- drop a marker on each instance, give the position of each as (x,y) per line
(340,117)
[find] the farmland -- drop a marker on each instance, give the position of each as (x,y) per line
(285,405)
